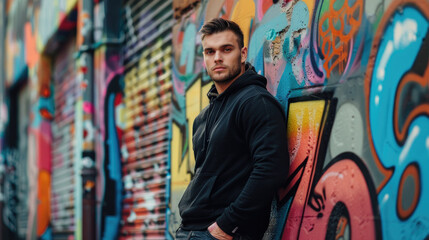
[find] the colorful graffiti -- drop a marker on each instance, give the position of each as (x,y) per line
(352,76)
(318,193)
(398,116)
(147,108)
(349,178)
(40,157)
(109,81)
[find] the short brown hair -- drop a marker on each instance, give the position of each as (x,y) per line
(217,25)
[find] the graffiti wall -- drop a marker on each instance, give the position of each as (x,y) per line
(146,115)
(352,76)
(31,24)
(110,118)
(353,79)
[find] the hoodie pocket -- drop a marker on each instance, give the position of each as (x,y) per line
(196,201)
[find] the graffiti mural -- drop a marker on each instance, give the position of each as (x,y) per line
(110,83)
(39,152)
(147,108)
(352,76)
(109,114)
(398,116)
(357,115)
(66,124)
(324,193)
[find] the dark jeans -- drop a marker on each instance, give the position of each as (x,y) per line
(191,235)
(195,235)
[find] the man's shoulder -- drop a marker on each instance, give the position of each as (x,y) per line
(256,97)
(203,112)
(254,92)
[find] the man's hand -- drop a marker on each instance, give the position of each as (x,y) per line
(216,232)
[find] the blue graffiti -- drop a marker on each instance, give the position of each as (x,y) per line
(112,195)
(398,49)
(188,49)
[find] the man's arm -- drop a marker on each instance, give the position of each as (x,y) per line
(264,126)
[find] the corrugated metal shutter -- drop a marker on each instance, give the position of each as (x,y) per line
(148,84)
(22,166)
(63,144)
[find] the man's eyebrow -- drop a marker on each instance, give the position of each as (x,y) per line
(225,45)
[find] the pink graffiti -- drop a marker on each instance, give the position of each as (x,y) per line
(88,107)
(263,6)
(343,183)
(335,201)
(44,136)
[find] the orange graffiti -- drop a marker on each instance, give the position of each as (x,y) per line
(334,39)
(44,74)
(81,22)
(89,185)
(43,206)
(45,91)
(341,228)
(243,15)
(213,9)
(32,55)
(46,114)
(227,8)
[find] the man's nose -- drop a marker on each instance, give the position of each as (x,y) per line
(218,56)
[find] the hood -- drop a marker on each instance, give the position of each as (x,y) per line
(249,77)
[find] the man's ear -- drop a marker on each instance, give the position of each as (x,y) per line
(243,54)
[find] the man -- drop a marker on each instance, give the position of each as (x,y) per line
(239,145)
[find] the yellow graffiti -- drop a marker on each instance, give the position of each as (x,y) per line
(196,100)
(304,120)
(243,14)
(310,6)
(307,113)
(182,156)
(147,86)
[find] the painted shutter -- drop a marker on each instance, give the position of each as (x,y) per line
(147,98)
(64,174)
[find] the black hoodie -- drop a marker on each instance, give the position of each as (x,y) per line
(241,159)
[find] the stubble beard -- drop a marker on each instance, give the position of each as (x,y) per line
(235,71)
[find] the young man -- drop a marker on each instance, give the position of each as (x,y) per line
(239,144)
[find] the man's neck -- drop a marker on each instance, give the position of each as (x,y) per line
(222,86)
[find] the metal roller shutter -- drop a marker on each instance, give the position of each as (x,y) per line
(147,98)
(64,175)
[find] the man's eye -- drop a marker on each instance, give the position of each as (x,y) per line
(209,52)
(228,49)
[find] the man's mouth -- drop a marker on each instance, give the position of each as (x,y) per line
(218,68)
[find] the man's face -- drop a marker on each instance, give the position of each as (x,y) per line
(223,57)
